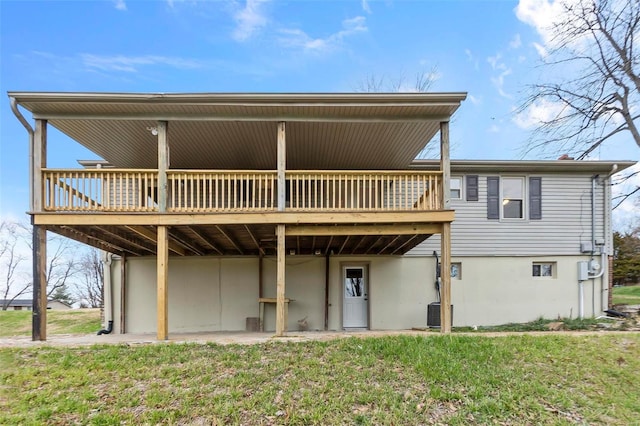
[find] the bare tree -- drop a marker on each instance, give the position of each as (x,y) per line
(90,287)
(10,260)
(421,82)
(593,83)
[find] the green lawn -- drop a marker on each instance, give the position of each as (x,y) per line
(459,380)
(76,321)
(628,295)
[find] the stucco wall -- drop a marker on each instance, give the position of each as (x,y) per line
(213,294)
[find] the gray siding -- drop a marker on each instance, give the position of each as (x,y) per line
(565,223)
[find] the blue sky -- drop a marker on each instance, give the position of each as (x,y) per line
(490,49)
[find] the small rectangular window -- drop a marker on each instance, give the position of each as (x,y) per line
(456,271)
(456,188)
(513,197)
(544,269)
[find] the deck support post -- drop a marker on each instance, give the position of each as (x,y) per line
(39,163)
(281,326)
(445,165)
(39,312)
(445,288)
(282,166)
(162,283)
(163,165)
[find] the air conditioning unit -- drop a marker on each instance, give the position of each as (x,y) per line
(433,315)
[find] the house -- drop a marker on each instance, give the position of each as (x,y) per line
(223,210)
(27,305)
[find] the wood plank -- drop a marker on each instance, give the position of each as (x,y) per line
(310,230)
(39,163)
(39,308)
(281,326)
(83,237)
(123,294)
(163,165)
(282,165)
(445,288)
(230,238)
(204,240)
(151,236)
(253,238)
(183,240)
(125,239)
(162,272)
(445,164)
(248,218)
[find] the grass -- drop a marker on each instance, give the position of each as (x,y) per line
(627,295)
(550,379)
(541,324)
(77,321)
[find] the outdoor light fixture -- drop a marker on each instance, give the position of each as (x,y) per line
(153,130)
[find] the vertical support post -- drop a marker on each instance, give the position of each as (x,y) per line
(39,162)
(123,293)
(39,312)
(282,166)
(445,165)
(326,292)
(163,278)
(445,268)
(163,165)
(281,326)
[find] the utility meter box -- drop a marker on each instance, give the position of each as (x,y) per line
(583,271)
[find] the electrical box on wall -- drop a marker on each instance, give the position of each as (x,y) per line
(583,271)
(586,247)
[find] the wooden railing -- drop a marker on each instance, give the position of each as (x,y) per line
(192,191)
(121,190)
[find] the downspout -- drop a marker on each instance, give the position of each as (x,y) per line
(108,302)
(604,297)
(25,123)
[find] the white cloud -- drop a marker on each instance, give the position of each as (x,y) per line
(516,42)
(133,64)
(541,15)
(542,51)
(365,6)
(474,100)
(498,82)
(296,38)
(495,63)
(493,129)
(537,113)
(249,20)
(120,5)
(472,59)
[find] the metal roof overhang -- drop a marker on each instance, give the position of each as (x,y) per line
(238,130)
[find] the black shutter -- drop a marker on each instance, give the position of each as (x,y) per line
(493,197)
(472,187)
(535,198)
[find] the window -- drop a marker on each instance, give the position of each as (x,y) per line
(456,271)
(456,188)
(513,197)
(544,269)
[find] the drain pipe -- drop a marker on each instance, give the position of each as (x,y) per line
(107,301)
(25,123)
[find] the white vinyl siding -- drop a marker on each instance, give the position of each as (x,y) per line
(565,223)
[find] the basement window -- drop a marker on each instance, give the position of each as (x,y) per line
(544,269)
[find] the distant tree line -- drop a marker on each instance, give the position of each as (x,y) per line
(626,257)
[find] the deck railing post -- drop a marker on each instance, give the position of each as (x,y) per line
(163,165)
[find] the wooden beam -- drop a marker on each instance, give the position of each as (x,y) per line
(260,249)
(344,243)
(389,244)
(445,288)
(402,229)
(326,291)
(231,240)
(326,250)
(404,244)
(77,235)
(355,248)
(323,218)
(163,164)
(39,163)
(39,308)
(371,246)
(282,165)
(123,293)
(151,236)
(183,240)
(204,240)
(126,240)
(281,326)
(445,164)
(162,272)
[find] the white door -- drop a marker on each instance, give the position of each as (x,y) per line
(356,298)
